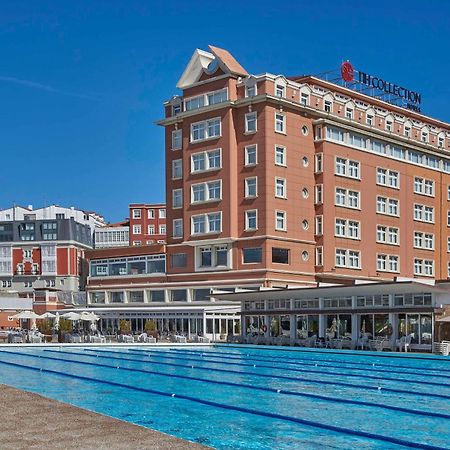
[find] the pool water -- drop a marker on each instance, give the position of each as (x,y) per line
(243,397)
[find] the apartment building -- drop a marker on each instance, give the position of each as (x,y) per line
(43,250)
(147,224)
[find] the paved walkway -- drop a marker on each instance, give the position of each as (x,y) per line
(32,422)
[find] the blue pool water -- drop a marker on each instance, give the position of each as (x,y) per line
(238,397)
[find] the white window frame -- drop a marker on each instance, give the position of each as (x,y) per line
(206,189)
(250,118)
(282,122)
(280,183)
(247,220)
(246,185)
(177,165)
(177,194)
(280,215)
(246,153)
(177,135)
(280,150)
(207,124)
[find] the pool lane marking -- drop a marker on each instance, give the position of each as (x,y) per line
(287,369)
(241,385)
(328,364)
(312,361)
(262,375)
(297,420)
(326,351)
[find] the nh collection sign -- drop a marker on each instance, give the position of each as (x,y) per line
(412,98)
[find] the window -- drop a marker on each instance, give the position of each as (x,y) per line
(207,129)
(389,125)
(177,169)
(423,213)
(318,193)
(177,140)
(250,91)
(137,229)
(280,90)
(304,98)
(357,140)
(369,119)
(162,213)
(424,136)
(136,213)
(252,255)
(347,258)
(251,155)
(217,96)
(250,122)
(212,256)
(209,160)
(388,235)
(151,214)
(207,223)
(204,192)
(280,187)
(387,263)
(177,228)
(386,177)
(319,225)
(251,187)
(388,206)
(347,168)
(151,229)
(280,123)
(318,164)
(423,267)
(328,106)
(280,220)
(251,220)
(179,260)
(136,242)
(335,134)
(280,255)
(319,256)
(407,131)
(194,103)
(424,240)
(378,147)
(347,198)
(177,198)
(349,113)
(280,155)
(423,186)
(347,228)
(176,109)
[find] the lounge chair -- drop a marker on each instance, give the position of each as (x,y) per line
(442,348)
(403,343)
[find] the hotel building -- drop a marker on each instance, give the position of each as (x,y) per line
(275,181)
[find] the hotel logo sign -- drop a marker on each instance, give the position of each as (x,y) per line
(410,99)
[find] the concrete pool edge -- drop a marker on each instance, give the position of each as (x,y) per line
(32,421)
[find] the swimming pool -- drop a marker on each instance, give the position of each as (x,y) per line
(239,397)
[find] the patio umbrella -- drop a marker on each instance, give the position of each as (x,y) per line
(27,315)
(47,315)
(72,316)
(89,316)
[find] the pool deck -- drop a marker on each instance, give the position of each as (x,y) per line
(33,422)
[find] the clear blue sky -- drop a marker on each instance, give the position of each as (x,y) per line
(82,82)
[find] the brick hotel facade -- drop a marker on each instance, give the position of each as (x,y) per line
(275,182)
(295,181)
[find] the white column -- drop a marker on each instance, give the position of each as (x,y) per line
(293,322)
(322,326)
(355,326)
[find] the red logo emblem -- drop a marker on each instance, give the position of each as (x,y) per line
(347,71)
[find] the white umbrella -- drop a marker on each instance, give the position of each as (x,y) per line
(72,316)
(26,315)
(47,315)
(89,316)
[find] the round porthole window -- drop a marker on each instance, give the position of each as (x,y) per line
(305,130)
(305,161)
(305,255)
(305,224)
(305,193)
